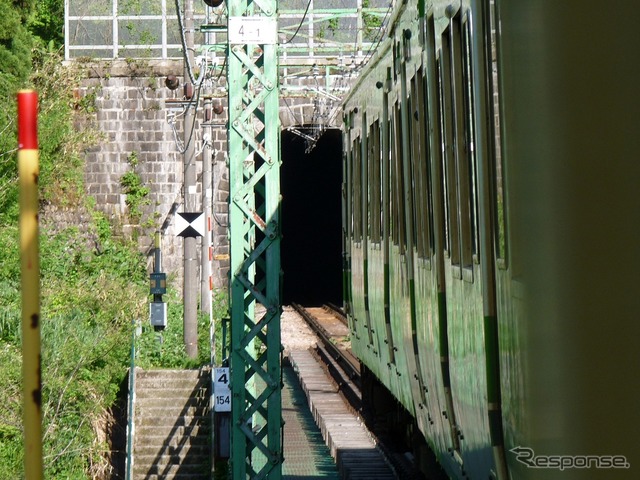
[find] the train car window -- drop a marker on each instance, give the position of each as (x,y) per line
(461,146)
(471,135)
(393,152)
(387,136)
(443,151)
(357,191)
(415,186)
(450,184)
(364,159)
(398,184)
(424,167)
(492,19)
(433,127)
(375,184)
(418,166)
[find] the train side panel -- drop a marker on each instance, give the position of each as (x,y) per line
(435,312)
(464,295)
(571,123)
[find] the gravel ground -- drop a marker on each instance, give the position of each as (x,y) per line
(294,331)
(296,334)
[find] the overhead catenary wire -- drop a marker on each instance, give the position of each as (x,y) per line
(300,24)
(379,36)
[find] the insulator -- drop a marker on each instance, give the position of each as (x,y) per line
(188,91)
(172,82)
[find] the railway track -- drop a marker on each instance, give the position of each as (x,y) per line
(330,325)
(330,376)
(334,351)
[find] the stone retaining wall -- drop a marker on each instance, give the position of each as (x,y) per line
(129,101)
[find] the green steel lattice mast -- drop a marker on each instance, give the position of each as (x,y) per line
(254,170)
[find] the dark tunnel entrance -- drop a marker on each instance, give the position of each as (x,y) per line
(311,252)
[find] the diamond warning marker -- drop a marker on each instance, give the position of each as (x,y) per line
(190,224)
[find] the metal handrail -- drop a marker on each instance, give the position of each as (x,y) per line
(131,401)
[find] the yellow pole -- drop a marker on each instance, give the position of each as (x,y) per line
(28,170)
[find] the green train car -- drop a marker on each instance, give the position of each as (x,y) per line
(491,235)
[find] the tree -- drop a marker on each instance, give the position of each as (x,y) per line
(15,49)
(48,22)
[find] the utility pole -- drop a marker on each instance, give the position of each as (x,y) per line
(190,290)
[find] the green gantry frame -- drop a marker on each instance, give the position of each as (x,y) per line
(254,222)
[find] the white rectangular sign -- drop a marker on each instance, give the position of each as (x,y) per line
(221,390)
(255,30)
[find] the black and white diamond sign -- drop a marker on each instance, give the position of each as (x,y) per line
(190,224)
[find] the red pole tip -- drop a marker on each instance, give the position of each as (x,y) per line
(27,119)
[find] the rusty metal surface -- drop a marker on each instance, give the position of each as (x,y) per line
(334,333)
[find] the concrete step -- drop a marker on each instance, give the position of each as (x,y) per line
(146,379)
(175,476)
(173,430)
(185,390)
(168,373)
(179,421)
(172,425)
(155,408)
(161,402)
(186,458)
(171,392)
(169,470)
(187,447)
(157,442)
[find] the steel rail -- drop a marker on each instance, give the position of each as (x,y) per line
(337,311)
(344,368)
(335,357)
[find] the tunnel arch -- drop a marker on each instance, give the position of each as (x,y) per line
(311,249)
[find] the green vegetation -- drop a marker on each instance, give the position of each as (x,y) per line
(137,193)
(16,43)
(372,22)
(333,24)
(86,316)
(166,349)
(47,22)
(94,284)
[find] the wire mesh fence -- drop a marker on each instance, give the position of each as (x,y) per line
(112,29)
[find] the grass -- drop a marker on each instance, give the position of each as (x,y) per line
(165,349)
(93,285)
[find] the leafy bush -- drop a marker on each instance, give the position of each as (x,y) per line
(88,302)
(166,349)
(137,193)
(15,47)
(93,285)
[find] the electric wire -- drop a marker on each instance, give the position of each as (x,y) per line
(184,43)
(379,35)
(291,111)
(300,24)
(192,78)
(182,147)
